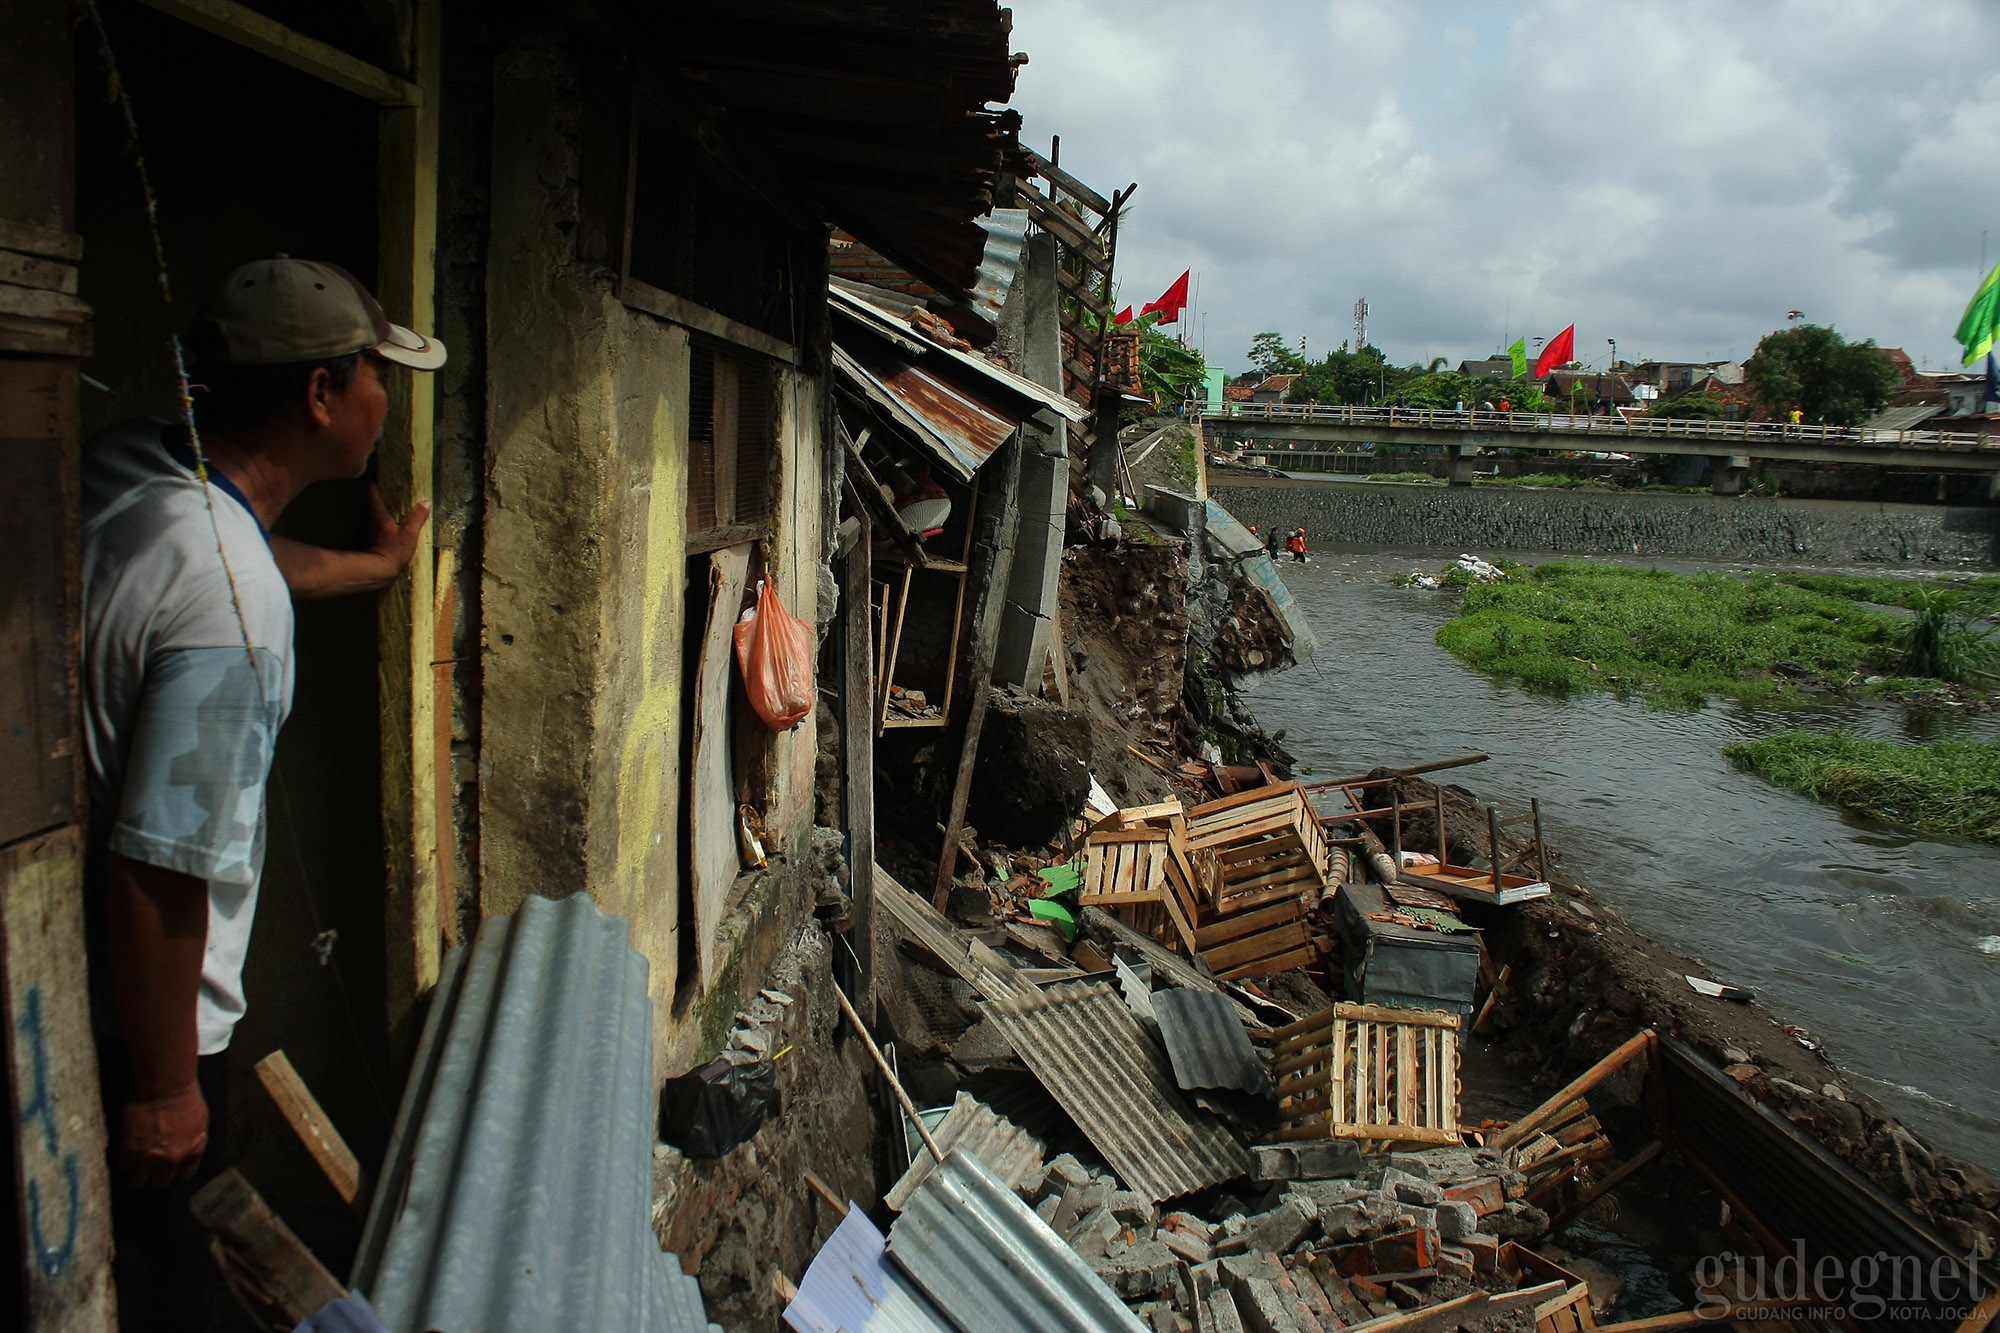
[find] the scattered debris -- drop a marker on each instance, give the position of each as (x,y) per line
(1719,990)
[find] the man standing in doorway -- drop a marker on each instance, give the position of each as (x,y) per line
(187,663)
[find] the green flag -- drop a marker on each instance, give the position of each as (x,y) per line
(1982,318)
(1519,353)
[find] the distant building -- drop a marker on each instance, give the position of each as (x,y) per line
(1273,389)
(1492,367)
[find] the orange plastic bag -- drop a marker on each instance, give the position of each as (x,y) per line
(774,652)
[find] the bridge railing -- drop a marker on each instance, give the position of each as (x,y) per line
(1607,427)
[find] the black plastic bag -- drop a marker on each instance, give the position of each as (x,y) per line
(710,1111)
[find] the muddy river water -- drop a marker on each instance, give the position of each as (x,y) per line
(1883,945)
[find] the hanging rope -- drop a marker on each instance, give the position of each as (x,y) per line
(114,91)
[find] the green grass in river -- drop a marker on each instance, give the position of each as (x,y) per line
(1676,640)
(1974,595)
(1949,787)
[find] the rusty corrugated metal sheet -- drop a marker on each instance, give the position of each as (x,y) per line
(1811,1200)
(1206,1042)
(887,313)
(517,1190)
(992,1266)
(1009,1152)
(959,432)
(1090,1052)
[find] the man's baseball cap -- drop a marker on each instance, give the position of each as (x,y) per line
(276,312)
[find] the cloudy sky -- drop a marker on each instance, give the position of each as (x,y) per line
(1673,175)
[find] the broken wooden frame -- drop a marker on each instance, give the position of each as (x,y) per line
(1362,1071)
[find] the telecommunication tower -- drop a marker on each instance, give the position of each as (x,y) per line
(1360,323)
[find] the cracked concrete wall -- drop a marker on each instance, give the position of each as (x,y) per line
(585,564)
(1031,323)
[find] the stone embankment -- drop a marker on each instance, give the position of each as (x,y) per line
(1610,523)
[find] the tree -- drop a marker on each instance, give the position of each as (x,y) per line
(1168,372)
(1829,380)
(1269,354)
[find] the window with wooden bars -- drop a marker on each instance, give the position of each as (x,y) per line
(732,424)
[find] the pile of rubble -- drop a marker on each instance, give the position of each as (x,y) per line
(1347,1239)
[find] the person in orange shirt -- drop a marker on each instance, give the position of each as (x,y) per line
(1297,545)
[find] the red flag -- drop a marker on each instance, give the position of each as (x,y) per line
(1560,352)
(1171,301)
(1123,317)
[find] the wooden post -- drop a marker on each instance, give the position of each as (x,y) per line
(315,1130)
(258,1252)
(858,725)
(1493,846)
(1002,474)
(406,184)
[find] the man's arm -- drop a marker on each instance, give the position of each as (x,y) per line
(156,933)
(324,571)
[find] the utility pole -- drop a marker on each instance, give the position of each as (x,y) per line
(1360,323)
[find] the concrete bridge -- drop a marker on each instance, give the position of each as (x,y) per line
(1730,446)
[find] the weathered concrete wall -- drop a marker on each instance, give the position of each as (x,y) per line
(584,576)
(1834,531)
(1031,326)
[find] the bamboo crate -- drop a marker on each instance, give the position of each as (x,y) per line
(1361,1071)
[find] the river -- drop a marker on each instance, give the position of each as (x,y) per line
(1883,945)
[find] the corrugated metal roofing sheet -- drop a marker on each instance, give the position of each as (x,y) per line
(1207,1043)
(851,1288)
(992,1266)
(1090,1052)
(517,1191)
(887,313)
(1009,1152)
(1006,236)
(958,432)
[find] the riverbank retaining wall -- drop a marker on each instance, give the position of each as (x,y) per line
(1610,523)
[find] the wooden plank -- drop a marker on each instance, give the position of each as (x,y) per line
(45,241)
(1253,796)
(62,1204)
(1074,286)
(37,303)
(858,754)
(1002,474)
(651,300)
(257,1249)
(1067,229)
(1406,1076)
(1266,944)
(406,285)
(1284,962)
(712,853)
(39,773)
(1535,1120)
(1247,923)
(1069,184)
(246,27)
(302,1112)
(27,271)
(444,603)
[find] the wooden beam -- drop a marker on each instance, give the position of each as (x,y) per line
(61,1199)
(1070,185)
(1072,284)
(264,1261)
(1521,1129)
(1003,475)
(302,1112)
(246,27)
(857,725)
(406,185)
(444,614)
(679,310)
(1609,1183)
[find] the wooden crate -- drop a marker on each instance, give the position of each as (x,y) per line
(1361,1071)
(1129,873)
(1268,842)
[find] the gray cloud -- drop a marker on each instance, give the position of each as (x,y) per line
(1676,176)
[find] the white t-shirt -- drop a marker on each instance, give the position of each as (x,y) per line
(180,715)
